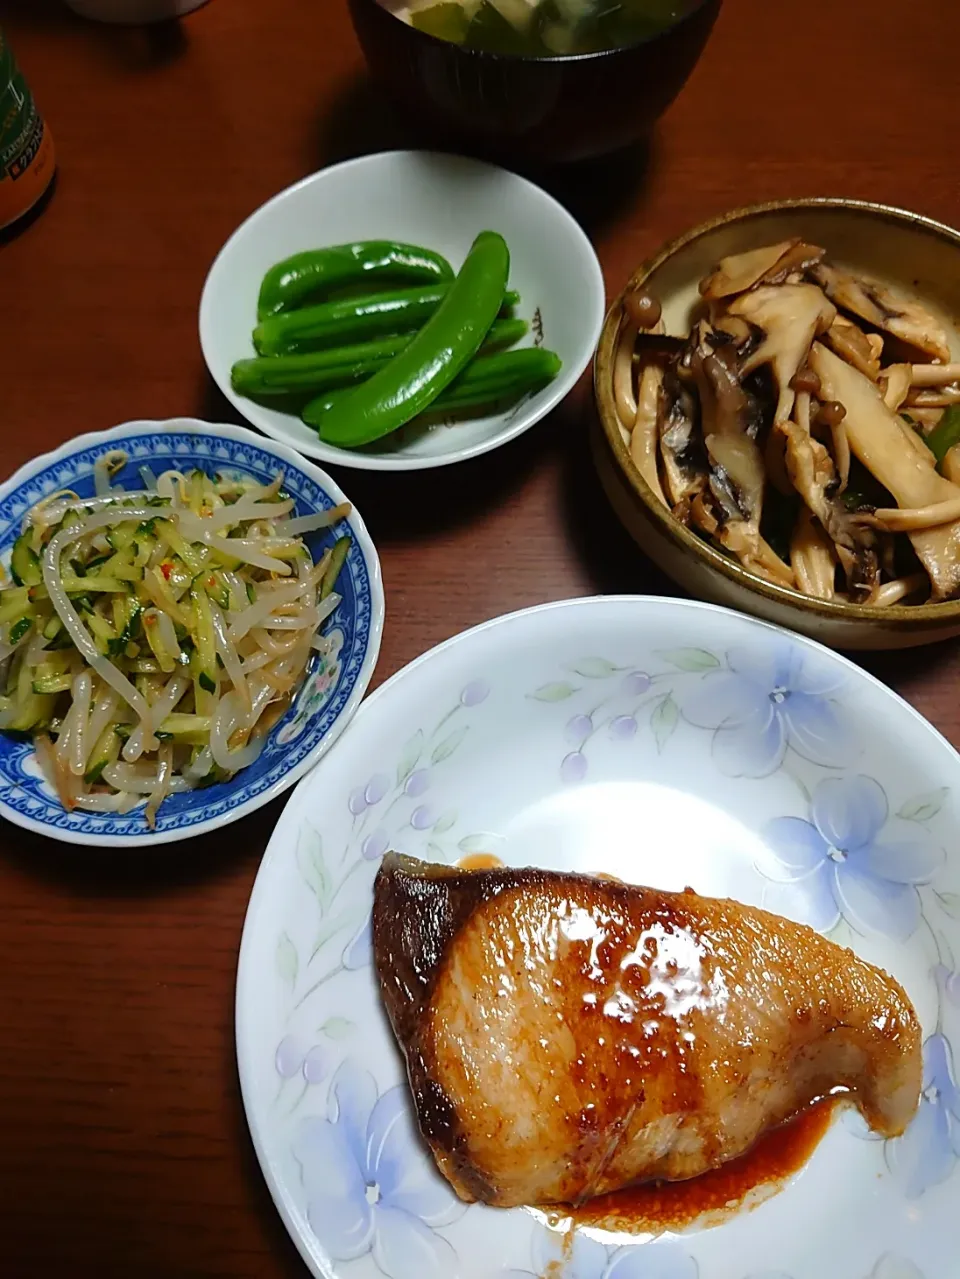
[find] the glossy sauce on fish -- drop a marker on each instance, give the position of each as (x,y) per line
(480,861)
(567,1036)
(655,1206)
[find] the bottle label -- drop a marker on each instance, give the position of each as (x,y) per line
(26,148)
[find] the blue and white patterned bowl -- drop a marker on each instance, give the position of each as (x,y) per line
(334,685)
(667,743)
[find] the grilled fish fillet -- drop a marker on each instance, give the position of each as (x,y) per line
(566,1035)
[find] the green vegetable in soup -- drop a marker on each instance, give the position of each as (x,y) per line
(447,21)
(547,28)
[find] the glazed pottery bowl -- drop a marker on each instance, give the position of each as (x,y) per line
(903,249)
(542,110)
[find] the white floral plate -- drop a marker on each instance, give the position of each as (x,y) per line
(664,742)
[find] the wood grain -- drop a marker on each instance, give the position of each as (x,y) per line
(123,1148)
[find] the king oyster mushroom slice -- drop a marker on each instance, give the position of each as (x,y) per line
(904,318)
(862,350)
(791,316)
(794,264)
(741,271)
(877,440)
(812,557)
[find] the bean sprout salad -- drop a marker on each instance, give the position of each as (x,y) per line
(150,640)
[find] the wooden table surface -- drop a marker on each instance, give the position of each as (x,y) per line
(123,1147)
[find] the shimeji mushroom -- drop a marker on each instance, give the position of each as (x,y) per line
(895,382)
(877,439)
(779,385)
(644,437)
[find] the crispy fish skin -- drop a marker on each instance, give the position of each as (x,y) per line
(567,1035)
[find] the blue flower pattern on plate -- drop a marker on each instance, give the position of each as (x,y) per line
(24,790)
(889,1266)
(842,862)
(778,709)
(765,702)
(928,1151)
(370,1184)
(584,1258)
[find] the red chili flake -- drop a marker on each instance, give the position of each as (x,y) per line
(166,568)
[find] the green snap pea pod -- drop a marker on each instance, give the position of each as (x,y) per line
(488,379)
(316,371)
(444,346)
(347,320)
(945,434)
(306,276)
(352,320)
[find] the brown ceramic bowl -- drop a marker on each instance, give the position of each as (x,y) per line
(903,249)
(534,110)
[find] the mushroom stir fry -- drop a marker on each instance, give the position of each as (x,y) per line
(809,426)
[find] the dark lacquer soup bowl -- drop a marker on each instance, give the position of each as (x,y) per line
(530,109)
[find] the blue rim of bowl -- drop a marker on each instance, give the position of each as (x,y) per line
(558,390)
(226,805)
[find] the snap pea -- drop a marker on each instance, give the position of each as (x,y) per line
(945,434)
(352,320)
(489,379)
(443,347)
(349,319)
(317,371)
(306,276)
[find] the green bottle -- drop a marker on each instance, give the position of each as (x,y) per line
(27,159)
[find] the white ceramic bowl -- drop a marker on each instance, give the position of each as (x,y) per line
(442,202)
(323,706)
(596,735)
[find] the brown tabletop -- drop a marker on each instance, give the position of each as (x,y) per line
(123,1147)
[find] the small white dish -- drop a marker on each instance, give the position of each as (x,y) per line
(334,685)
(598,735)
(441,202)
